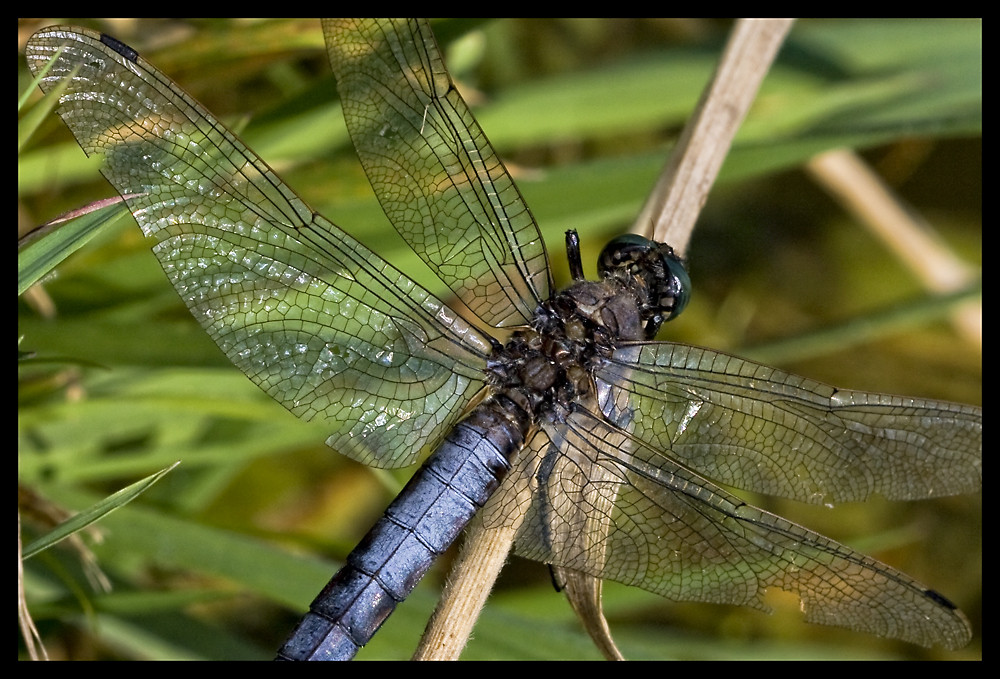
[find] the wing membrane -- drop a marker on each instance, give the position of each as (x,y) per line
(755,427)
(439,181)
(318,321)
(600,503)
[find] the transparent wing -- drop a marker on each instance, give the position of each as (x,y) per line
(754,427)
(319,322)
(439,181)
(598,502)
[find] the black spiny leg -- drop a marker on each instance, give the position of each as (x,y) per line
(573,255)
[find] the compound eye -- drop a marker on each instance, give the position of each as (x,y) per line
(677,286)
(623,252)
(666,280)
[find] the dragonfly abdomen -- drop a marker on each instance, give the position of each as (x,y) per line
(420,524)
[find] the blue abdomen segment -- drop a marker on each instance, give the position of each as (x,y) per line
(419,525)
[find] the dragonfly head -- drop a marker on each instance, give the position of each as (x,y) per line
(652,268)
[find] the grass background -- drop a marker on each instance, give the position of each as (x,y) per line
(219,559)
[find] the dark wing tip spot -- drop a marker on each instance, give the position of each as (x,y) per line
(120,47)
(931,594)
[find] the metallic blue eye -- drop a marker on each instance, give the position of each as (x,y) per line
(657,267)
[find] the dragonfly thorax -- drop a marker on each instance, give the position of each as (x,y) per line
(548,366)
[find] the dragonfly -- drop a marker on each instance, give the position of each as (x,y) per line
(557,410)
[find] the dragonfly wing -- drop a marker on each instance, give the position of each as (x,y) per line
(755,427)
(318,321)
(603,504)
(439,181)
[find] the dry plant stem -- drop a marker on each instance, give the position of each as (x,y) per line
(673,208)
(483,555)
(584,594)
(674,204)
(863,193)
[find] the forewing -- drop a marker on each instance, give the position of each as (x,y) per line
(751,426)
(319,322)
(439,181)
(598,502)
